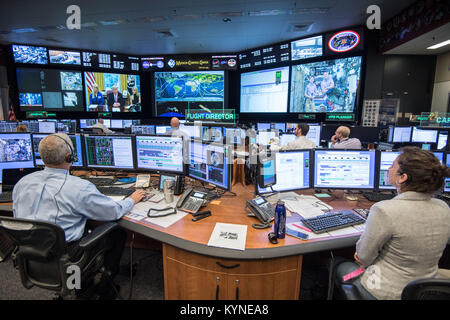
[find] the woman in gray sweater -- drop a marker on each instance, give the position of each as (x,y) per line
(404,238)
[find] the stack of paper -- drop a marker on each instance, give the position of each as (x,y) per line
(230,236)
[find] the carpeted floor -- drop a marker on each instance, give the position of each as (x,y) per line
(148,283)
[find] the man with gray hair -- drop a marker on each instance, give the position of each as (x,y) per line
(342,140)
(55,196)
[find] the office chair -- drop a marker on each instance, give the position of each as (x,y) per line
(97,130)
(42,258)
(422,289)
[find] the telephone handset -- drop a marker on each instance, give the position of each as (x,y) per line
(262,209)
(191,200)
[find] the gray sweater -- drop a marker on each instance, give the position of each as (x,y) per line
(403,240)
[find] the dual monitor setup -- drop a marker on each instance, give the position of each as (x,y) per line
(205,161)
(330,169)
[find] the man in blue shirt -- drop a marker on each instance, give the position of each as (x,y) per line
(55,196)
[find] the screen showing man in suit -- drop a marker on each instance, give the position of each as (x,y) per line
(115,89)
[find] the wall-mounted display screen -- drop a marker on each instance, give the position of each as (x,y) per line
(112,92)
(306,48)
(124,62)
(29,54)
(265,90)
(175,92)
(325,86)
(97,60)
(64,57)
(45,89)
(264,56)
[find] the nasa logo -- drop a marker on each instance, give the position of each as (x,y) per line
(145,64)
(160,64)
(344,41)
(232,62)
(171,63)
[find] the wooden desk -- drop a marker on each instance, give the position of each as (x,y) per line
(193,270)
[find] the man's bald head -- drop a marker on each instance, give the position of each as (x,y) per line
(53,150)
(343,131)
(174,122)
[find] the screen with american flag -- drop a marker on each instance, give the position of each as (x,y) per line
(112,92)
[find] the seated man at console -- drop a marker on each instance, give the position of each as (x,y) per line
(342,140)
(300,142)
(55,196)
(101,125)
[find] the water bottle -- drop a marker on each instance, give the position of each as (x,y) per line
(280,220)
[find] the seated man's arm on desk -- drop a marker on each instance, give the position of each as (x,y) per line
(96,206)
(376,233)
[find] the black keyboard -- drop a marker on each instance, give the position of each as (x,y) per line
(333,221)
(376,196)
(115,191)
(6,196)
(101,181)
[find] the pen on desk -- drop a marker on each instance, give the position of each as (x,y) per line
(201,217)
(303,228)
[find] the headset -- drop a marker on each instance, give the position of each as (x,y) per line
(68,158)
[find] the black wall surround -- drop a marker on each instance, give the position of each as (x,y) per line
(379,75)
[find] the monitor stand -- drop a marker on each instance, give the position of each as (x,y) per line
(268,195)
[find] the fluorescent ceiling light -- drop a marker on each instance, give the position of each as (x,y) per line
(441,44)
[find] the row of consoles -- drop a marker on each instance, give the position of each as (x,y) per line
(212,162)
(264,133)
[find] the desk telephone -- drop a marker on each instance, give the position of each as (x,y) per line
(191,200)
(262,209)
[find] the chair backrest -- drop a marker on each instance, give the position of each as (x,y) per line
(41,252)
(97,130)
(427,289)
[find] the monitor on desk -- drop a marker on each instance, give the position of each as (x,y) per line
(6,126)
(424,135)
(447,180)
(212,134)
(344,169)
(160,153)
(162,129)
(399,134)
(37,137)
(264,137)
(234,135)
(442,140)
(210,163)
(192,130)
(386,160)
(66,126)
(16,151)
(143,129)
(314,133)
(292,169)
(262,126)
(47,126)
(87,123)
(109,152)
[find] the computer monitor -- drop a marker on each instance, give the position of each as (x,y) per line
(6,126)
(47,127)
(66,126)
(212,134)
(16,151)
(87,123)
(344,169)
(116,124)
(111,152)
(160,153)
(192,130)
(442,140)
(106,122)
(266,172)
(314,133)
(400,134)
(292,169)
(286,138)
(424,136)
(234,135)
(263,138)
(162,129)
(447,180)
(37,137)
(281,126)
(210,163)
(263,126)
(143,129)
(290,127)
(386,160)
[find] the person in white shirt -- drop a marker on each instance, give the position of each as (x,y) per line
(342,140)
(104,128)
(301,142)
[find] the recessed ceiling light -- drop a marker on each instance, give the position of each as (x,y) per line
(441,44)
